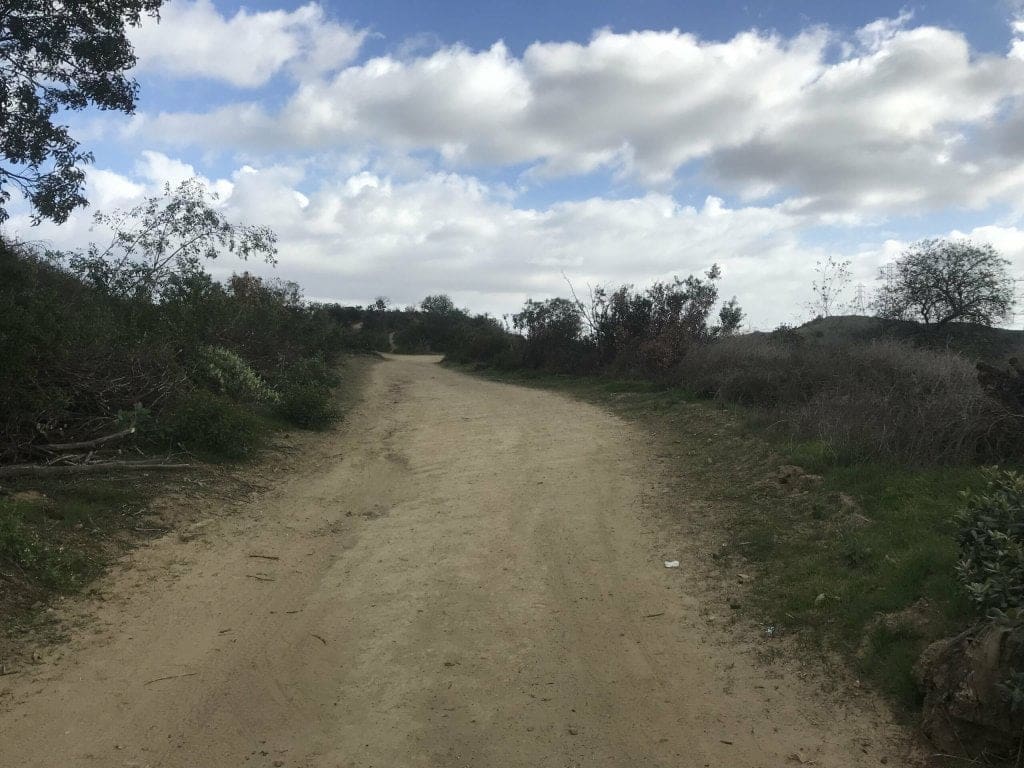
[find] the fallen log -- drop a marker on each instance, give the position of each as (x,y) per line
(87,443)
(48,470)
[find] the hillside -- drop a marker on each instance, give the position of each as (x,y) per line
(969,339)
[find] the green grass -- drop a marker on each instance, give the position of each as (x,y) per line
(55,537)
(897,551)
(886,567)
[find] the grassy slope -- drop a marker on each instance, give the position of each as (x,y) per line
(892,554)
(973,341)
(57,535)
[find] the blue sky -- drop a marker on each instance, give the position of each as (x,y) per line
(519,23)
(491,149)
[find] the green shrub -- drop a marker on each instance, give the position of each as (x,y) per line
(208,423)
(234,377)
(307,404)
(309,370)
(991,538)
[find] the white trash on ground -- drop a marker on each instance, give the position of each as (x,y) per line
(671,563)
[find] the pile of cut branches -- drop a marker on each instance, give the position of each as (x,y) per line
(87,457)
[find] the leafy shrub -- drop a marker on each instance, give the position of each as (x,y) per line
(991,538)
(309,370)
(650,331)
(307,404)
(71,358)
(305,398)
(234,377)
(210,423)
(555,337)
(76,350)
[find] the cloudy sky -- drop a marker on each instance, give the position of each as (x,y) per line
(486,148)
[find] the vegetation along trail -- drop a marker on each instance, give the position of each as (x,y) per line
(467,574)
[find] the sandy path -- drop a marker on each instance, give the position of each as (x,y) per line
(466,576)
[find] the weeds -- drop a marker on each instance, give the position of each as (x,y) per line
(861,400)
(56,537)
(31,555)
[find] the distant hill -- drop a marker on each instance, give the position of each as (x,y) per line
(971,340)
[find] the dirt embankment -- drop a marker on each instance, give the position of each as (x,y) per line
(467,574)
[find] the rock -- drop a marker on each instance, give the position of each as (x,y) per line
(965,709)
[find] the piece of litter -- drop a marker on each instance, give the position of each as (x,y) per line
(671,563)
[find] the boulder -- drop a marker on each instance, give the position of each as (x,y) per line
(966,708)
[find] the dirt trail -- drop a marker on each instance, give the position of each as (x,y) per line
(466,575)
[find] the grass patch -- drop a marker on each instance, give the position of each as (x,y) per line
(55,537)
(861,562)
(874,578)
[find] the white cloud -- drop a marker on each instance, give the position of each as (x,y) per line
(813,129)
(362,234)
(890,127)
(192,39)
(158,169)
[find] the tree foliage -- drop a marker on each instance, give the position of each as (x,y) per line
(943,281)
(140,327)
(56,56)
(161,244)
(627,330)
(554,332)
(438,304)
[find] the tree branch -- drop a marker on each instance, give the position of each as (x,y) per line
(37,470)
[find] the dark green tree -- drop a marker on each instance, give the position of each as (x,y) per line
(947,281)
(55,56)
(440,304)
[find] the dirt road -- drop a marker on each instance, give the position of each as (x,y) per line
(467,574)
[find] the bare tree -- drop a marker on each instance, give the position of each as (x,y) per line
(833,278)
(943,281)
